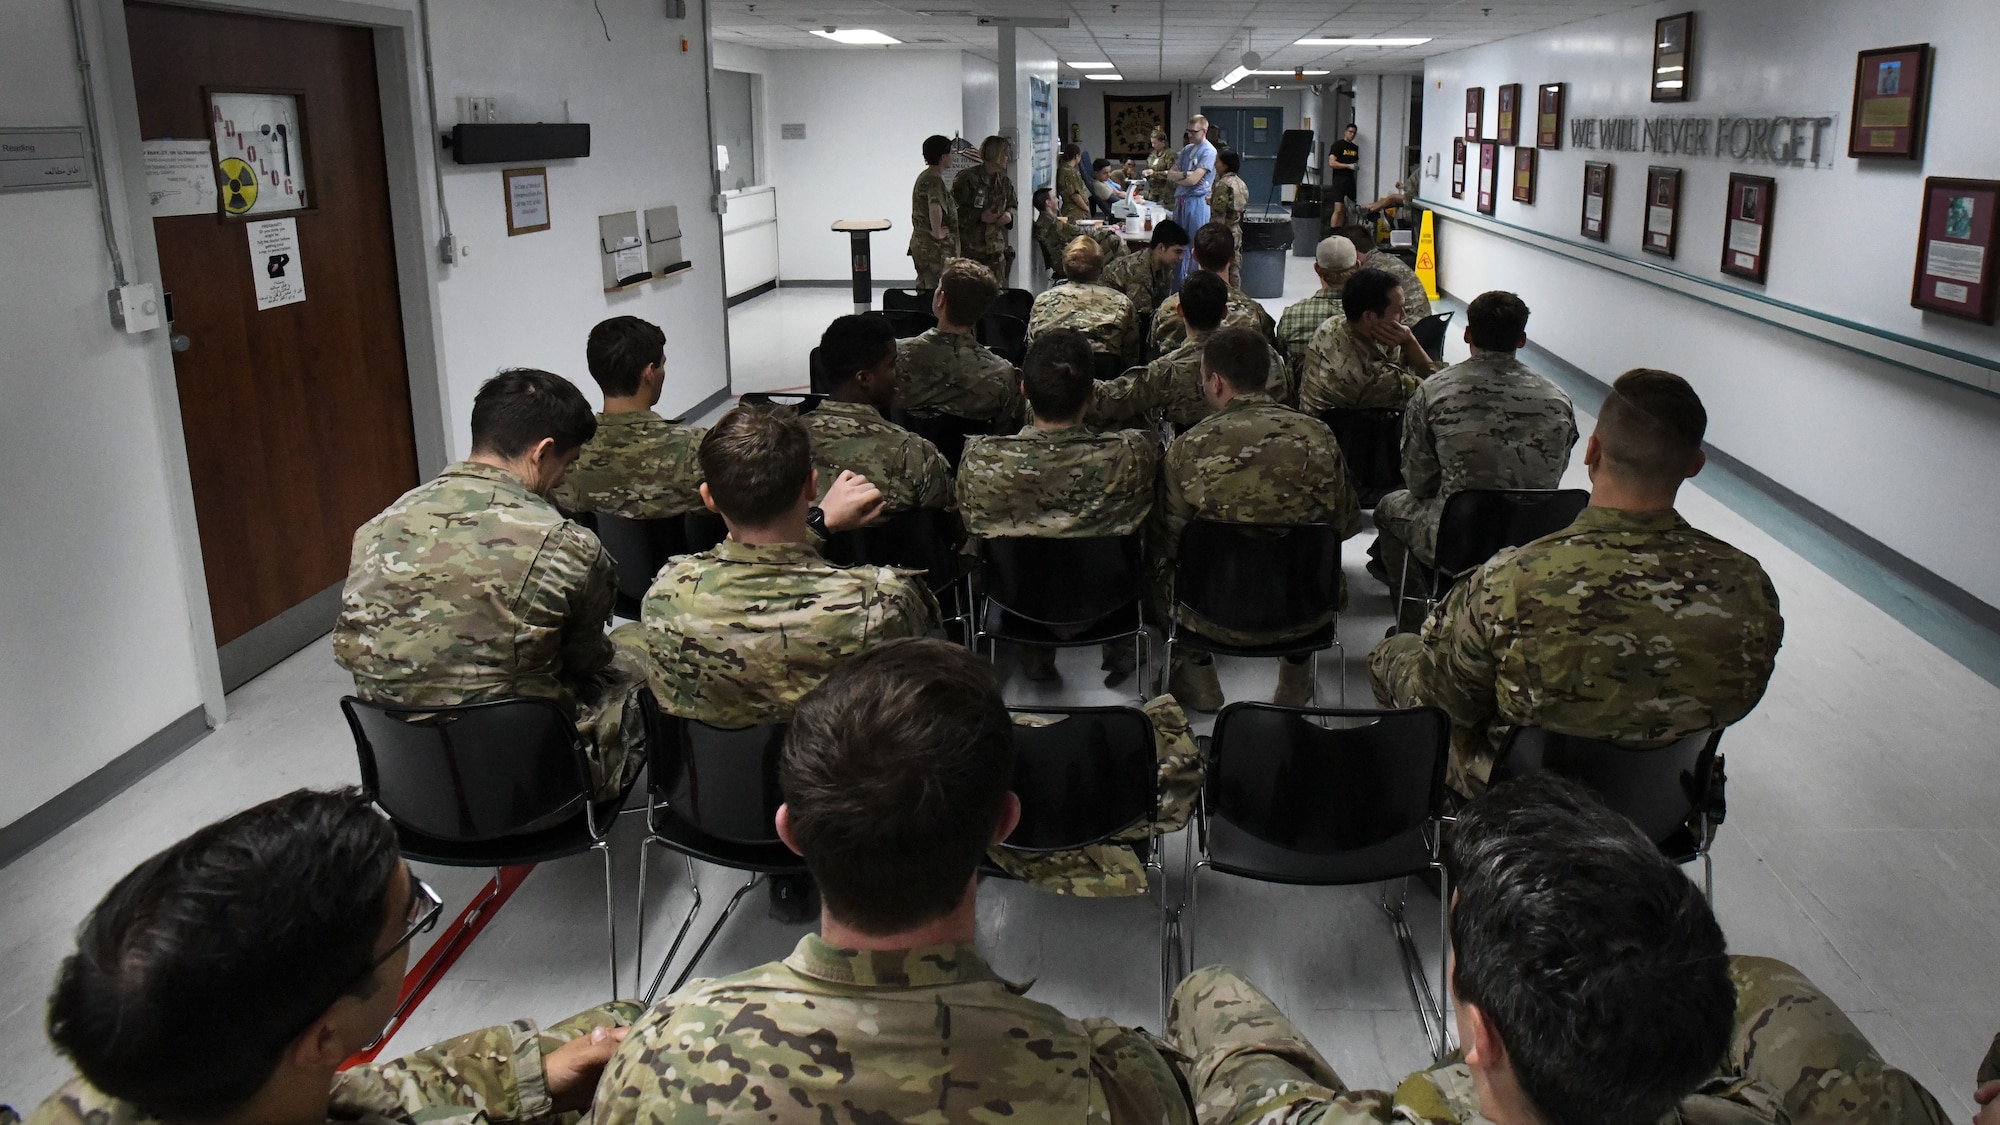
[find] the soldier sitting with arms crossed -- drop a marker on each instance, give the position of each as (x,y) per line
(638,464)
(1591,986)
(473,586)
(945,370)
(1626,625)
(1367,358)
(896,776)
(228,978)
(1214,249)
(1170,386)
(1101,313)
(851,431)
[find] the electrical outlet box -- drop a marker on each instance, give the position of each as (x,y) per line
(135,308)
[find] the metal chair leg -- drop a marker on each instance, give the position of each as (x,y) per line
(603,848)
(1430,1012)
(688,970)
(687,923)
(1444,954)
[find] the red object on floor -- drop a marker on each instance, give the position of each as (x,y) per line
(445,952)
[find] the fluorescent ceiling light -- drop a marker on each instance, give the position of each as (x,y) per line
(858,37)
(1089,65)
(1105,77)
(1230,79)
(1292,71)
(1361,42)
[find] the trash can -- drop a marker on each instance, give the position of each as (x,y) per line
(1305,221)
(1266,237)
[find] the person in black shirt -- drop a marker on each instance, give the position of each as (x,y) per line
(1341,162)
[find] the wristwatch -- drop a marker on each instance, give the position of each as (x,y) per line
(816,523)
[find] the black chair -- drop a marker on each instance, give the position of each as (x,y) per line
(1017,303)
(1477,523)
(816,380)
(925,539)
(1063,593)
(1259,578)
(1005,335)
(1430,332)
(704,529)
(1371,442)
(945,431)
(712,795)
(493,784)
(1319,797)
(1674,793)
(907,300)
(639,548)
(1110,366)
(765,400)
(908,323)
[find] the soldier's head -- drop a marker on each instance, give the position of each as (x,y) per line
(896,773)
(628,357)
(1071,152)
(1334,261)
(936,146)
(1214,247)
(1158,137)
(1229,160)
(994,151)
(1372,297)
(1348,133)
(1648,439)
(1362,236)
(757,467)
(1170,244)
(1497,321)
(1100,169)
(234,972)
(1045,201)
(1083,260)
(858,354)
(1204,302)
(531,423)
(1234,361)
(1197,128)
(1590,977)
(965,290)
(1059,375)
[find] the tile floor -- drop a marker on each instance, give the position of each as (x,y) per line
(1857,846)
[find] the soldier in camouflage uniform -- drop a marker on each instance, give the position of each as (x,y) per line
(1227,203)
(473,586)
(1148,276)
(916,1027)
(1073,196)
(284,930)
(1631,1029)
(1101,313)
(945,371)
(1213,251)
(851,431)
(1334,262)
(1159,162)
(1252,461)
(1169,388)
(736,635)
(1416,302)
(1053,233)
(933,216)
(638,464)
(1489,422)
(984,199)
(1367,358)
(1627,625)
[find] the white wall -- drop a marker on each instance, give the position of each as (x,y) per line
(1906,458)
(1032,59)
(1382,120)
(979,97)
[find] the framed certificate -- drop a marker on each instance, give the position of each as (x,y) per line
(1510,114)
(1475,112)
(1524,174)
(1458,167)
(1663,211)
(1891,101)
(1673,57)
(1596,200)
(1746,225)
(1955,248)
(1489,175)
(1549,114)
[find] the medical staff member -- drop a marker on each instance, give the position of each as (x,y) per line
(1193,178)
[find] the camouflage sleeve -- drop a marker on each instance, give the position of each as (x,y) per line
(908,608)
(931,474)
(1141,1086)
(1422,474)
(1174,511)
(1451,665)
(574,572)
(1130,344)
(1128,397)
(1313,373)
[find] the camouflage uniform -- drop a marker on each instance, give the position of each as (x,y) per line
(1069,184)
(1416,304)
(487,1077)
(639,465)
(853,435)
(1053,235)
(1795,1059)
(930,253)
(951,373)
(1489,422)
(1625,625)
(1099,312)
(1159,189)
(735,636)
(1226,205)
(974,192)
(1057,484)
(1300,320)
(1343,369)
(1169,330)
(1143,283)
(470,587)
(1170,385)
(1253,461)
(927,1034)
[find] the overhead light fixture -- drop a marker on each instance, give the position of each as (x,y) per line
(1293,71)
(1105,77)
(1361,42)
(857,37)
(1230,79)
(1089,65)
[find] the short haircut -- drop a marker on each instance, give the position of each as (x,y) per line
(1367,292)
(1071,150)
(1083,259)
(1040,198)
(1349,125)
(1167,232)
(756,463)
(520,406)
(1598,962)
(991,148)
(1214,247)
(1197,119)
(1240,356)
(1496,319)
(855,343)
(1651,425)
(1099,165)
(935,147)
(895,771)
(1059,372)
(619,349)
(1361,236)
(1204,301)
(204,963)
(1229,160)
(969,290)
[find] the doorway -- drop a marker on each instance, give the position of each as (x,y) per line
(1253,131)
(293,382)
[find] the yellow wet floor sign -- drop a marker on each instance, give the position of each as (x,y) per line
(1427,259)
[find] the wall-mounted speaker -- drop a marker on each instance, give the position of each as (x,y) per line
(506,144)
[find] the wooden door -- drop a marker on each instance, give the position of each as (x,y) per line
(297,417)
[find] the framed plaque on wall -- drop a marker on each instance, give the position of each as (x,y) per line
(1955,248)
(1510,114)
(1663,211)
(1458,167)
(1489,175)
(1673,57)
(1524,174)
(1549,114)
(1746,226)
(1891,101)
(1475,112)
(1596,200)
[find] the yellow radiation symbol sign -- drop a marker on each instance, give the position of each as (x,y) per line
(239,186)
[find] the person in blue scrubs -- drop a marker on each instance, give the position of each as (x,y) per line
(1193,176)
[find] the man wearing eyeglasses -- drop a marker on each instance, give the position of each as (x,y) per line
(227,978)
